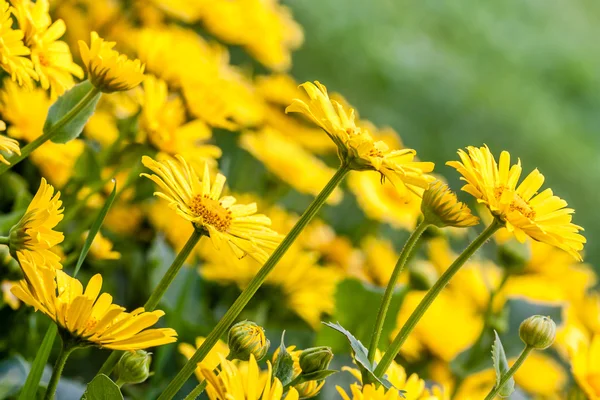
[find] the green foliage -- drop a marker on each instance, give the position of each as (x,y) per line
(67,102)
(501,367)
(102,388)
(41,358)
(283,369)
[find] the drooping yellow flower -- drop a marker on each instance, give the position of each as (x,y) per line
(34,234)
(108,70)
(56,161)
(229,225)
(7,145)
(525,212)
(212,359)
(13,51)
(244,380)
(441,208)
(290,162)
(24,110)
(356,146)
(87,315)
(101,248)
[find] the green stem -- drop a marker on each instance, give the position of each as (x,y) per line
(158,292)
(253,286)
(4,240)
(510,373)
(197,391)
(65,351)
(431,295)
(61,123)
(389,290)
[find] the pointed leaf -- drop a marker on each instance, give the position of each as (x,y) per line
(501,367)
(284,364)
(102,388)
(37,368)
(82,102)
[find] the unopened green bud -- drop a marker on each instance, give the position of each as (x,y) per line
(133,367)
(315,359)
(247,338)
(538,332)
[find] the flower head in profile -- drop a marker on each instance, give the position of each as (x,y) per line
(244,380)
(108,70)
(525,212)
(7,145)
(13,52)
(236,226)
(34,234)
(86,315)
(356,145)
(441,208)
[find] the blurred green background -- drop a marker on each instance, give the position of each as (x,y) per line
(515,75)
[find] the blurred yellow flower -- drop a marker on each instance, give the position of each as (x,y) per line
(7,296)
(101,248)
(24,110)
(86,315)
(379,260)
(244,380)
(34,234)
(13,51)
(108,70)
(124,218)
(383,202)
(541,375)
(290,162)
(102,128)
(228,225)
(57,161)
(212,359)
(7,145)
(524,211)
(584,354)
(357,147)
(441,208)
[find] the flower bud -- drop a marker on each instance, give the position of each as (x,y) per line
(309,389)
(315,359)
(247,338)
(538,332)
(441,208)
(133,367)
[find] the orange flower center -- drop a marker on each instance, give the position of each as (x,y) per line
(211,211)
(517,204)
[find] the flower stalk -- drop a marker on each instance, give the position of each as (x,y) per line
(407,250)
(197,391)
(49,134)
(423,306)
(67,348)
(522,357)
(243,299)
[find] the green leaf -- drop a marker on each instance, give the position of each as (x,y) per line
(360,355)
(102,388)
(13,373)
(283,369)
(95,228)
(501,367)
(37,368)
(79,102)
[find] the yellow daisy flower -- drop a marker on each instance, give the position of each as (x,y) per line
(441,208)
(356,146)
(87,315)
(228,224)
(34,233)
(24,110)
(212,359)
(101,248)
(244,380)
(7,145)
(525,212)
(108,70)
(13,51)
(369,392)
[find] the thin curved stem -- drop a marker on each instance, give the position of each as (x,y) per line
(197,391)
(64,354)
(256,282)
(407,250)
(61,123)
(431,295)
(510,373)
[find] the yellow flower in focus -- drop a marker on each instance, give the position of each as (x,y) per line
(212,359)
(86,315)
(13,51)
(7,145)
(369,392)
(383,202)
(7,296)
(108,70)
(24,110)
(356,146)
(101,248)
(441,208)
(56,161)
(34,234)
(525,212)
(244,380)
(229,225)
(290,162)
